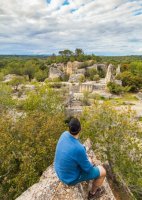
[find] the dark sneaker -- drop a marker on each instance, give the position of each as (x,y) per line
(100,191)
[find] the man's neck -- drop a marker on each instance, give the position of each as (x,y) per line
(75,136)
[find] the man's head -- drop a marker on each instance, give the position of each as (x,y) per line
(74,126)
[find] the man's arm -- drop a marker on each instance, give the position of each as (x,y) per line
(83,160)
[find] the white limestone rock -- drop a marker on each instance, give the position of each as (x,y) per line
(55,73)
(109,76)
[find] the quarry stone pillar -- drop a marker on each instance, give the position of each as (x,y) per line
(109,76)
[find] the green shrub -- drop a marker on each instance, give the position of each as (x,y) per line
(1,76)
(85,100)
(90,73)
(81,78)
(96,78)
(43,99)
(55,85)
(16,81)
(6,100)
(117,138)
(84,65)
(129,79)
(115,88)
(27,148)
(40,76)
(101,73)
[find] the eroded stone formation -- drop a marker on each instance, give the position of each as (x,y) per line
(50,188)
(55,73)
(109,76)
(72,67)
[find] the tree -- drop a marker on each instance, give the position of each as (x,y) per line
(66,53)
(79,52)
(30,69)
(41,75)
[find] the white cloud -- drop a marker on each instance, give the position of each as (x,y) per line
(140,50)
(94,25)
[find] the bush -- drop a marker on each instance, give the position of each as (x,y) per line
(1,76)
(84,65)
(16,81)
(43,99)
(136,68)
(81,78)
(40,76)
(55,85)
(85,99)
(129,79)
(90,73)
(27,148)
(27,145)
(101,73)
(115,88)
(6,100)
(117,138)
(96,78)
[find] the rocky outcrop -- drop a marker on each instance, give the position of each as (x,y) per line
(109,76)
(93,67)
(72,67)
(91,86)
(50,188)
(60,66)
(86,87)
(10,77)
(55,73)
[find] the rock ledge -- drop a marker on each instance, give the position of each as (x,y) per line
(50,188)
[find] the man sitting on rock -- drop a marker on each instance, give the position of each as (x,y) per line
(72,164)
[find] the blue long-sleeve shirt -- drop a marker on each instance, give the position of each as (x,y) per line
(70,158)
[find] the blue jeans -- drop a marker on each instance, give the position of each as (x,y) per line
(94,173)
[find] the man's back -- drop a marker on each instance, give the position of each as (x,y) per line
(70,158)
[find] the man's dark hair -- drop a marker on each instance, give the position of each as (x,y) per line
(74,126)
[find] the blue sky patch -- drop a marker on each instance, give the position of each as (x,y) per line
(138,13)
(48,1)
(73,10)
(66,2)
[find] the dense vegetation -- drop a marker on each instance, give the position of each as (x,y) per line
(27,142)
(30,127)
(117,138)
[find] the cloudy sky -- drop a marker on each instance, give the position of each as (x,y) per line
(103,27)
